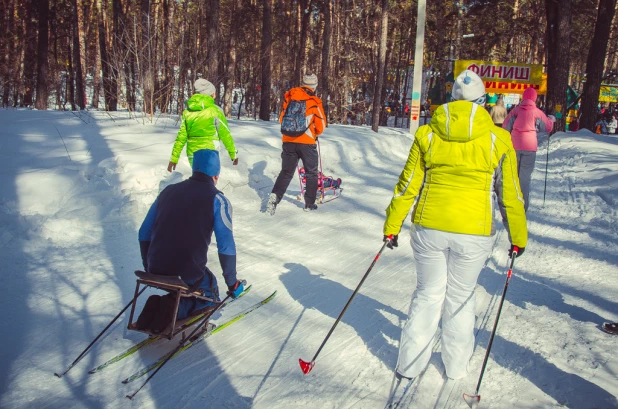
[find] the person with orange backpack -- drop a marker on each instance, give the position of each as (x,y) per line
(302,121)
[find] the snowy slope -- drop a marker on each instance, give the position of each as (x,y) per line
(75,188)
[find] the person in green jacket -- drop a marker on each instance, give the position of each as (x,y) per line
(202,123)
(460,166)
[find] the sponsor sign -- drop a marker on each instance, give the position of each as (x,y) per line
(608,94)
(506,78)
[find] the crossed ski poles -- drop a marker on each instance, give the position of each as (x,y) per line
(305,366)
(99,336)
(181,344)
(473,400)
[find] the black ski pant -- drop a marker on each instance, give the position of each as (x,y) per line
(289,160)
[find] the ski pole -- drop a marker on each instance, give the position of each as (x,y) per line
(546,168)
(98,336)
(473,400)
(300,180)
(321,172)
(180,345)
(305,366)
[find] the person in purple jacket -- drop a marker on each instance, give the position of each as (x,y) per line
(523,122)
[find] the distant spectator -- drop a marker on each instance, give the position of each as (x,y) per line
(524,122)
(600,127)
(498,112)
(612,124)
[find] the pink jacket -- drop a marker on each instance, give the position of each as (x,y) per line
(524,122)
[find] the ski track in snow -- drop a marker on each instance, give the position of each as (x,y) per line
(68,239)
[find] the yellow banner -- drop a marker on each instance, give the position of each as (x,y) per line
(502,71)
(511,88)
(608,94)
(505,78)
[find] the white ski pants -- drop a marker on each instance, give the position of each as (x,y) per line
(447,267)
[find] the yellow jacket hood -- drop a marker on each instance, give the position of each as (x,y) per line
(461,121)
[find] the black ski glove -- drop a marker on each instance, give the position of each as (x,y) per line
(520,251)
(392,243)
(236,289)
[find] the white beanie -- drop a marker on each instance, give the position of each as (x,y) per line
(469,87)
(204,87)
(310,80)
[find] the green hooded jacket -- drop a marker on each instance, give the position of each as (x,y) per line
(202,124)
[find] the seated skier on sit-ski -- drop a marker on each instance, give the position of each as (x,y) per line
(174,240)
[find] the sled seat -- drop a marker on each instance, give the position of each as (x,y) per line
(173,285)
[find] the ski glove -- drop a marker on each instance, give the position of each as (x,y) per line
(236,289)
(392,243)
(520,251)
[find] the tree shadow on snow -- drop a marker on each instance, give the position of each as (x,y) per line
(195,378)
(524,289)
(364,314)
(261,183)
(566,388)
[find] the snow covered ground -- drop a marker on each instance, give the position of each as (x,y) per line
(74,189)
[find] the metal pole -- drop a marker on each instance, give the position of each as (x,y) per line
(306,367)
(415,106)
(473,400)
(182,343)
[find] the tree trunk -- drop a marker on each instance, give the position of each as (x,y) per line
(76,61)
(30,43)
(230,68)
(558,46)
(70,87)
(146,60)
(266,52)
(596,63)
(302,44)
(325,74)
(213,44)
(110,74)
(379,82)
(8,44)
(42,87)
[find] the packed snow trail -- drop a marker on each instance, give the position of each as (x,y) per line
(68,241)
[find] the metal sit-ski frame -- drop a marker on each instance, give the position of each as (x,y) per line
(173,285)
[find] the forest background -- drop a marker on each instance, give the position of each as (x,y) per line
(144,55)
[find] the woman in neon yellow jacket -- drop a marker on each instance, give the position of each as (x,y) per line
(202,123)
(458,167)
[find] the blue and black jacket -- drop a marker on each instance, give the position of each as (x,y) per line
(176,233)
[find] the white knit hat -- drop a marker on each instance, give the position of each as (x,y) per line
(310,80)
(469,87)
(204,87)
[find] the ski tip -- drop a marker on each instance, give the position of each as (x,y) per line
(305,366)
(90,372)
(57,374)
(126,381)
(472,400)
(130,397)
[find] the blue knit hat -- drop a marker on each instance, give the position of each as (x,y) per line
(207,161)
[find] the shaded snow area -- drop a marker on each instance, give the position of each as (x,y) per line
(74,190)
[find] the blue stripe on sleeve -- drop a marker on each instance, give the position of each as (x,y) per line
(145,231)
(223,226)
